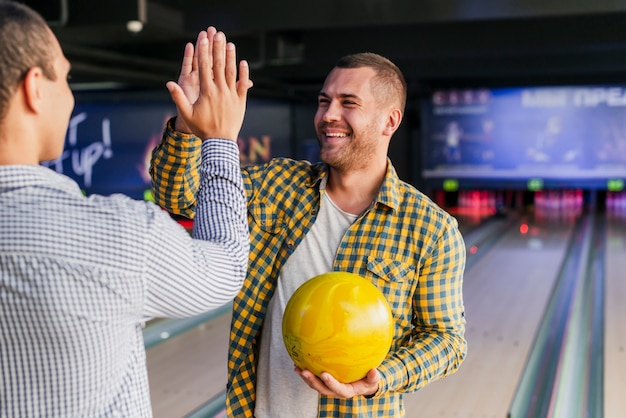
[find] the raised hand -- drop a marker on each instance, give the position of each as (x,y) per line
(188,79)
(210,100)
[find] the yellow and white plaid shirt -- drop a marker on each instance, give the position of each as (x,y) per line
(407,246)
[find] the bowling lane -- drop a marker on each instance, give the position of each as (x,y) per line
(189,369)
(615,312)
(505,292)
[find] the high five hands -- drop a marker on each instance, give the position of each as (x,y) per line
(210,101)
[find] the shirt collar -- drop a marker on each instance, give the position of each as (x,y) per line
(19,176)
(387,195)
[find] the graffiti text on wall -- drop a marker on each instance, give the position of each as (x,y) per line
(253,150)
(83,158)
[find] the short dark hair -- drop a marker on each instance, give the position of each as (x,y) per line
(24,44)
(388,79)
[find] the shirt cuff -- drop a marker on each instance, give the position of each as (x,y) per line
(180,141)
(373,394)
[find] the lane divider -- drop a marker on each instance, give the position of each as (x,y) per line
(563,376)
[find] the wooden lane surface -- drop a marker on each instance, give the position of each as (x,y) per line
(505,294)
(615,320)
(188,370)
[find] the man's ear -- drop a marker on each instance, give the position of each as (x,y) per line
(32,86)
(393,121)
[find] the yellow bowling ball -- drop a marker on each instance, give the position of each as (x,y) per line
(340,323)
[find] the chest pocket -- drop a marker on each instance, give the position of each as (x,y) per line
(391,270)
(398,281)
(265,218)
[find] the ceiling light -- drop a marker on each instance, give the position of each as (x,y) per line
(134,26)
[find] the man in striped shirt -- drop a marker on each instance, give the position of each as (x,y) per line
(352,213)
(79,275)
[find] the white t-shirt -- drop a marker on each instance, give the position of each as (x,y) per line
(280,392)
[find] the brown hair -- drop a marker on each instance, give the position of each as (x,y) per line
(389,82)
(24,44)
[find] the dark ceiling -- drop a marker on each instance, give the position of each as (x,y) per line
(291,45)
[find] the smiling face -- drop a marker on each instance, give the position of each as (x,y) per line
(350,120)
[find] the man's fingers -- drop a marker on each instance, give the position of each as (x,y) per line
(218,109)
(205,62)
(180,100)
(231,64)
(219,57)
(210,32)
(201,35)
(188,58)
(244,82)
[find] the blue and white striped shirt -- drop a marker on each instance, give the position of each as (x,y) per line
(79,275)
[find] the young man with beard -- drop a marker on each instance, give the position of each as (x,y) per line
(349,213)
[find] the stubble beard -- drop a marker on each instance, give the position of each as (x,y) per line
(354,155)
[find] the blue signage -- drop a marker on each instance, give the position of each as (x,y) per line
(572,133)
(109,143)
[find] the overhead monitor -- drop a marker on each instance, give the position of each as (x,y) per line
(560,136)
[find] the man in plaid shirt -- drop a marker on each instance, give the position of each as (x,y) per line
(349,213)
